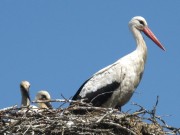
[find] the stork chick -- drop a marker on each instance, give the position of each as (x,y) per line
(43,95)
(24,87)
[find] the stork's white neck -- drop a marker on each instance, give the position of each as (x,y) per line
(141,45)
(25,100)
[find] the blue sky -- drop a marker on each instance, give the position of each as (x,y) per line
(57,45)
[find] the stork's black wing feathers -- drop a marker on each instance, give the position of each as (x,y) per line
(76,96)
(102,95)
(100,87)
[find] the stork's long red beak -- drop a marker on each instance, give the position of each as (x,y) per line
(150,34)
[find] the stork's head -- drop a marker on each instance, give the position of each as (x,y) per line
(140,24)
(43,95)
(25,85)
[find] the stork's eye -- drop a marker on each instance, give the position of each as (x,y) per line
(141,22)
(43,97)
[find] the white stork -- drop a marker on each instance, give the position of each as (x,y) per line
(43,95)
(26,100)
(24,87)
(113,86)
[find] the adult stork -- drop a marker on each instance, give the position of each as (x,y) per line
(43,95)
(114,85)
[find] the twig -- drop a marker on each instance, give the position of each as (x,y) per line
(121,127)
(8,108)
(26,130)
(108,113)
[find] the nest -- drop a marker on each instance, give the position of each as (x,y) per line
(93,121)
